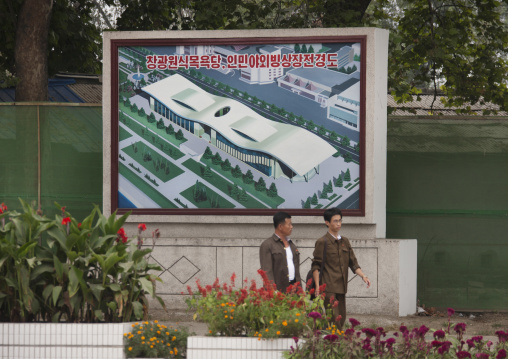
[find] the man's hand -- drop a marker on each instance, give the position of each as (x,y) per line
(366,280)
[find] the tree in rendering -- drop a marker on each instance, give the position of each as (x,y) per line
(314,199)
(207,173)
(170,129)
(226,165)
(150,118)
(338,181)
(300,120)
(249,177)
(306,204)
(260,185)
(272,191)
(160,124)
(208,153)
(179,135)
(345,141)
(235,191)
(347,175)
(217,159)
(199,192)
(237,172)
(244,197)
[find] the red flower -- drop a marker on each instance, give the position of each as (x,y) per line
(460,328)
(79,225)
(463,354)
(121,236)
(3,208)
(439,334)
(66,220)
(142,227)
(354,322)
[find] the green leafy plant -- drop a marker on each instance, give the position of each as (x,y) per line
(61,270)
(254,311)
(154,340)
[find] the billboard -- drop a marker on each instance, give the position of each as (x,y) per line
(238,125)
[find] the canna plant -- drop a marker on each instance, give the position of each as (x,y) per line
(63,271)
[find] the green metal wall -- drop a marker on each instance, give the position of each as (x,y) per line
(70,156)
(447,186)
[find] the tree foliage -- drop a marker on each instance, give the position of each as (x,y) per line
(456,48)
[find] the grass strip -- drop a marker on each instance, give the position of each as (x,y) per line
(144,187)
(172,170)
(221,184)
(212,196)
(274,202)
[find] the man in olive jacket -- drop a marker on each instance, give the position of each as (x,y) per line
(339,257)
(279,256)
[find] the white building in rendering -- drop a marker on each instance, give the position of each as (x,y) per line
(275,149)
(344,108)
(257,74)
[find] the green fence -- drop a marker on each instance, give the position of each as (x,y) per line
(51,152)
(447,186)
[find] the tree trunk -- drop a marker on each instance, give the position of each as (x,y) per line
(31,51)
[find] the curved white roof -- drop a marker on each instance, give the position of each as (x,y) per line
(299,149)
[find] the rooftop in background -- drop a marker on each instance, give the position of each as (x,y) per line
(67,87)
(86,88)
(423,108)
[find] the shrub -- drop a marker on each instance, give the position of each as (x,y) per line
(254,311)
(62,270)
(154,340)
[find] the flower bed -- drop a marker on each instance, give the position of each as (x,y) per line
(155,340)
(252,311)
(419,342)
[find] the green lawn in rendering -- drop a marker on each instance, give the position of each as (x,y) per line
(168,142)
(156,161)
(152,126)
(222,184)
(211,196)
(123,134)
(144,187)
(274,202)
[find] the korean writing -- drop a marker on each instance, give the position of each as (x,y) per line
(241,61)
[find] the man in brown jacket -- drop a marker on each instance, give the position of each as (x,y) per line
(339,257)
(279,256)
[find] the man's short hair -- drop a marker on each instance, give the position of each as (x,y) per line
(280,218)
(330,212)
